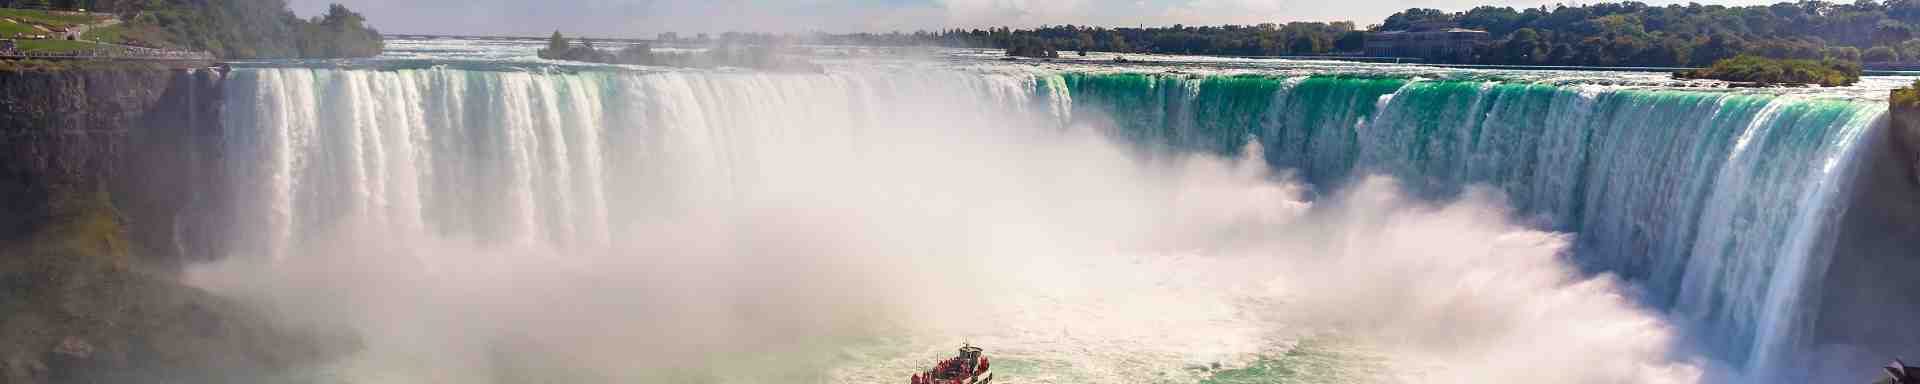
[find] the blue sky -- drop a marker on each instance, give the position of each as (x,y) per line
(638,18)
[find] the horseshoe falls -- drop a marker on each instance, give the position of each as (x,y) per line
(498,223)
(1724,206)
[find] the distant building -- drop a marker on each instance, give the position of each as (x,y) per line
(668,37)
(1449,44)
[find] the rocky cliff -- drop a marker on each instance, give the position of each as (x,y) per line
(1905,135)
(110,182)
(1871,299)
(147,135)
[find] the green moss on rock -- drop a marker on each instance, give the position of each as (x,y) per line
(1908,96)
(77,310)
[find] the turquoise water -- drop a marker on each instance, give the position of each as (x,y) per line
(1696,195)
(1318,360)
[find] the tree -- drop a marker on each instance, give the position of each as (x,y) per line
(1764,71)
(1498,21)
(1910,50)
(1415,18)
(1302,45)
(1607,33)
(1027,46)
(1844,54)
(1352,41)
(338,16)
(1880,54)
(1117,44)
(1720,46)
(1524,47)
(1891,32)
(1561,54)
(341,32)
(557,43)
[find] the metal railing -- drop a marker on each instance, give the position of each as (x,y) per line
(108,53)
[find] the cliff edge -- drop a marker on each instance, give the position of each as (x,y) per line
(149,136)
(1870,297)
(1905,136)
(110,182)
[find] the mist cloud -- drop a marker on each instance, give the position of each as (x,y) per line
(852,227)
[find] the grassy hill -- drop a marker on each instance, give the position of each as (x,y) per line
(21,24)
(225,28)
(58,19)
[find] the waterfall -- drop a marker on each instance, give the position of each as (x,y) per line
(1718,203)
(528,158)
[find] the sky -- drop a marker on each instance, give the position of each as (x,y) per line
(646,18)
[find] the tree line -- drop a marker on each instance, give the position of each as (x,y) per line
(1604,34)
(1636,34)
(1269,39)
(733,50)
(235,28)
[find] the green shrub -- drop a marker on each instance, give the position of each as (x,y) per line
(1908,96)
(72,282)
(1880,54)
(1768,72)
(1844,54)
(250,29)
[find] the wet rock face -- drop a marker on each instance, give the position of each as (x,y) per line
(1907,134)
(1904,137)
(110,181)
(1870,295)
(148,136)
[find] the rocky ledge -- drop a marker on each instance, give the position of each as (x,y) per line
(109,183)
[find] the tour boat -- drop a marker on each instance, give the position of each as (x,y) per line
(967,368)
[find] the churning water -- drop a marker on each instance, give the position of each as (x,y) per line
(485,217)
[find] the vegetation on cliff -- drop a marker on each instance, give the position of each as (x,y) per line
(1296,38)
(1601,34)
(1031,47)
(39,17)
(41,31)
(561,48)
(91,238)
(1637,34)
(79,309)
(240,29)
(759,56)
(1908,96)
(1770,72)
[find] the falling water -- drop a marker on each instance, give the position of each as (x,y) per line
(1715,202)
